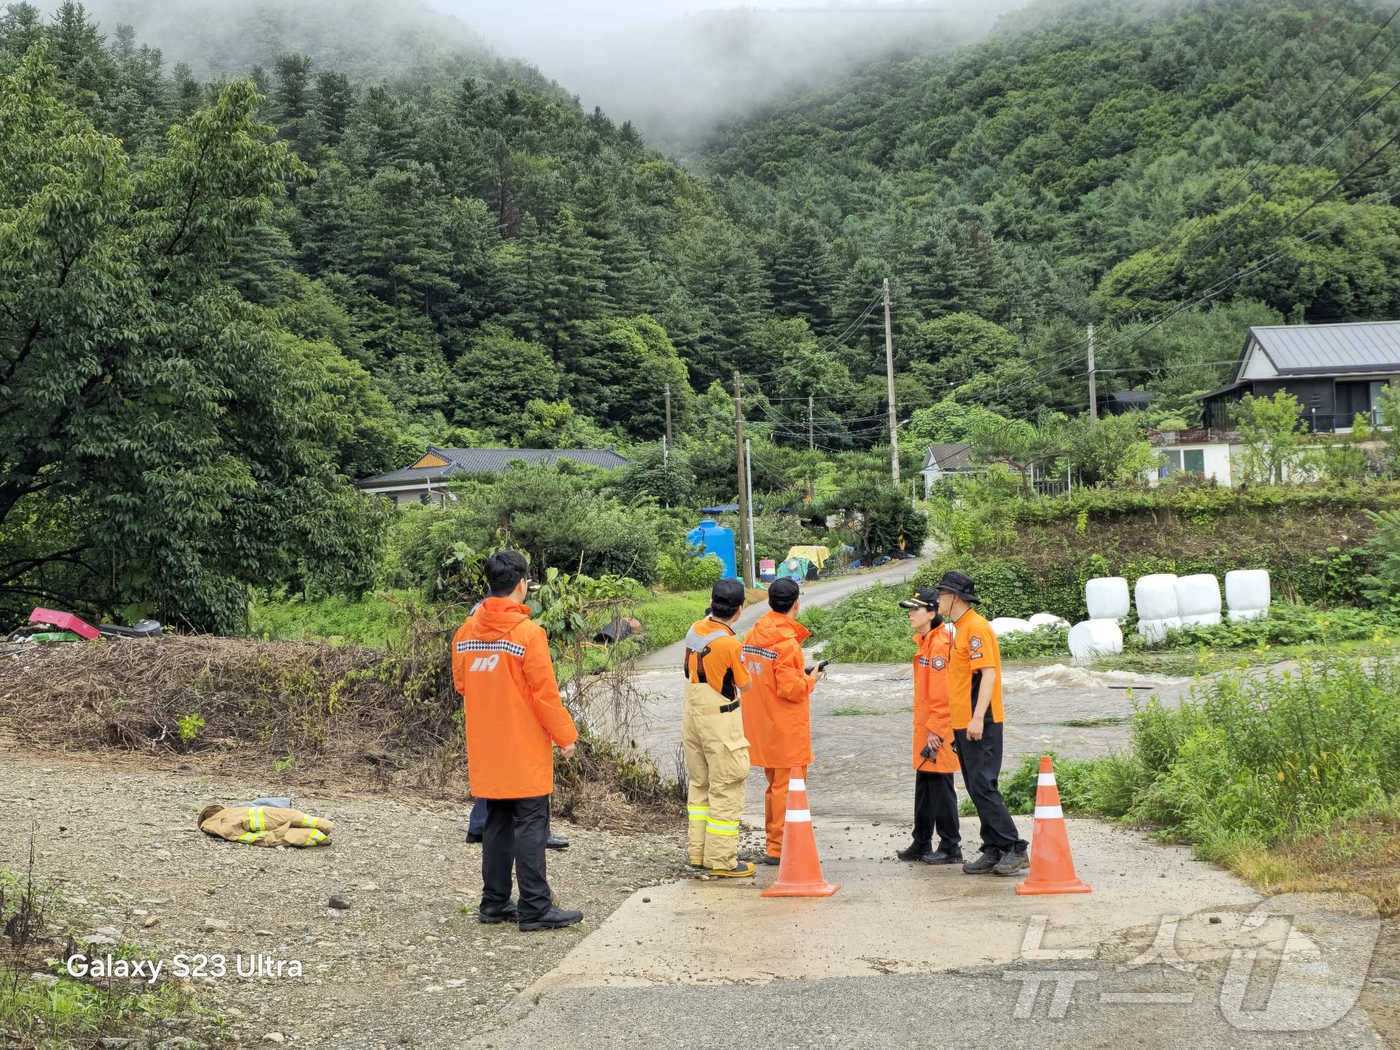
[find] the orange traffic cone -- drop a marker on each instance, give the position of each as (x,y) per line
(800,870)
(1052,868)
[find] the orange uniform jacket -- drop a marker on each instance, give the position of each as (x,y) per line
(931,700)
(501,666)
(777,706)
(975,650)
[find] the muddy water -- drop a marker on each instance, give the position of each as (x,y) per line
(862,722)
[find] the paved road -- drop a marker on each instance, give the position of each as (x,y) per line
(815,595)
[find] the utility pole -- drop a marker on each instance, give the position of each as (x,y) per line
(811,446)
(752,563)
(666,454)
(889,379)
(1093,379)
(741,535)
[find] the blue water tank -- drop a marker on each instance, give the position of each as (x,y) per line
(710,537)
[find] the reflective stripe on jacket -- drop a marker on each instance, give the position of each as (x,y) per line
(502,668)
(777,706)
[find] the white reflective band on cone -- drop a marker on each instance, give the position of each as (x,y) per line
(797,785)
(1049,813)
(799,816)
(1045,779)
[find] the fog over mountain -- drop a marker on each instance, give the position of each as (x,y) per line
(675,68)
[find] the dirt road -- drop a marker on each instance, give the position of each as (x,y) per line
(406,964)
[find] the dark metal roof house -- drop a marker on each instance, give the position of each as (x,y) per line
(1336,371)
(946,460)
(425,481)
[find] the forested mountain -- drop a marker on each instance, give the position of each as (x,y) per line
(224,295)
(1109,162)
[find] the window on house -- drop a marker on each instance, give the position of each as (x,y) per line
(1179,460)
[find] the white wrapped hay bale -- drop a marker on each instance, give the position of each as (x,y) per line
(1094,638)
(1004,625)
(1045,619)
(1198,600)
(1154,632)
(1248,594)
(1155,595)
(1107,598)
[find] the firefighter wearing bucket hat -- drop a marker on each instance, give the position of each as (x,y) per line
(712,735)
(974,705)
(935,799)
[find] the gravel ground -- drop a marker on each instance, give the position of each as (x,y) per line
(403,965)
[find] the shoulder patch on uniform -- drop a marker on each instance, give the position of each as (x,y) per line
(975,642)
(939,663)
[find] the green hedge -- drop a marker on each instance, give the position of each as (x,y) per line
(1203,502)
(1010,586)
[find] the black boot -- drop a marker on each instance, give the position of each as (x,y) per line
(985,863)
(554,919)
(913,852)
(1012,861)
(490,918)
(943,856)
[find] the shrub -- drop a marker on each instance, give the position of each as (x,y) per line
(557,516)
(1035,645)
(1382,585)
(1288,624)
(867,627)
(1263,759)
(881,518)
(1073,778)
(685,572)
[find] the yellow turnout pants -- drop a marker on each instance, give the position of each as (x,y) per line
(717,764)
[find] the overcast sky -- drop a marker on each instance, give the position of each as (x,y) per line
(676,67)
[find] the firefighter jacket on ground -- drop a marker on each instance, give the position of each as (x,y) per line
(931,715)
(502,668)
(780,695)
(975,650)
(712,737)
(265,826)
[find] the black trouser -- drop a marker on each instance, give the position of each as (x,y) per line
(981,766)
(516,830)
(936,807)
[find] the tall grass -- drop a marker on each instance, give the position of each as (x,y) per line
(1254,761)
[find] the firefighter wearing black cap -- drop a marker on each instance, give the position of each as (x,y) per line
(712,735)
(974,704)
(935,764)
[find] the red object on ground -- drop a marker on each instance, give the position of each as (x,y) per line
(66,622)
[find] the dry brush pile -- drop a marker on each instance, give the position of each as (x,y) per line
(306,711)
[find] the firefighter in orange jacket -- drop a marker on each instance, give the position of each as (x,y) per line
(502,668)
(712,735)
(781,695)
(935,799)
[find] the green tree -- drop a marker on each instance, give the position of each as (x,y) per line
(1272,432)
(180,434)
(497,377)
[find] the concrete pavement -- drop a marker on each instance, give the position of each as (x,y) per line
(1166,952)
